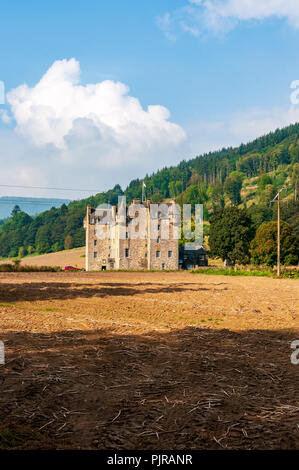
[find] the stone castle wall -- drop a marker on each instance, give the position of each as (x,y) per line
(128,254)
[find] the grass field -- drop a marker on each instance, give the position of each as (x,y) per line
(148,361)
(72,257)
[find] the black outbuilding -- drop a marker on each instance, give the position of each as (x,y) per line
(190,258)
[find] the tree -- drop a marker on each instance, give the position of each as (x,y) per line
(68,242)
(4,243)
(267,195)
(55,247)
(42,240)
(260,214)
(22,252)
(157,197)
(295,178)
(289,213)
(15,210)
(294,152)
(264,245)
(192,195)
(195,194)
(238,175)
(232,188)
(216,193)
(30,250)
(172,189)
(179,187)
(264,181)
(63,209)
(231,232)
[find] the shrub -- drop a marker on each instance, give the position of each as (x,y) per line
(16,267)
(231,232)
(264,246)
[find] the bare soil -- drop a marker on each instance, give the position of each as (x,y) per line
(148,361)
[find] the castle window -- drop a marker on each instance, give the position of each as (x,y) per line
(127,234)
(163,265)
(158,254)
(127,252)
(158,240)
(170,254)
(95,255)
(95,242)
(159,227)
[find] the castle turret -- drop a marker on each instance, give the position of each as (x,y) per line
(87,236)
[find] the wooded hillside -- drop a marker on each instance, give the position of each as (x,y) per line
(247,176)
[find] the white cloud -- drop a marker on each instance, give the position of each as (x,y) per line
(4,116)
(49,112)
(78,165)
(242,127)
(219,16)
(72,135)
(94,136)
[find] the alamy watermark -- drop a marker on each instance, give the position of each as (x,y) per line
(295,354)
(294,96)
(2,92)
(2,353)
(165,221)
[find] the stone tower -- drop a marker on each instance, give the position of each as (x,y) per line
(120,249)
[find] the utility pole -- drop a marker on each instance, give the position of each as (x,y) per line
(278,229)
(278,234)
(143,192)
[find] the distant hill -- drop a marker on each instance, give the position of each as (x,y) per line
(247,176)
(30,205)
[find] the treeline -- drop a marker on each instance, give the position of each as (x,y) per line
(235,239)
(263,155)
(214,179)
(52,230)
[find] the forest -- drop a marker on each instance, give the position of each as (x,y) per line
(247,176)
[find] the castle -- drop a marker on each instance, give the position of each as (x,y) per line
(134,238)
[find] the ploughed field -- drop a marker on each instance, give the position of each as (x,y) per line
(148,361)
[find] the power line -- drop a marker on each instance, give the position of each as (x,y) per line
(21,203)
(45,187)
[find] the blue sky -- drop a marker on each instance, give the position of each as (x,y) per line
(224,75)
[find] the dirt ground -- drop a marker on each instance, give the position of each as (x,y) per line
(148,361)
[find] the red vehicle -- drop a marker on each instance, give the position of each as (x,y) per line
(70,268)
